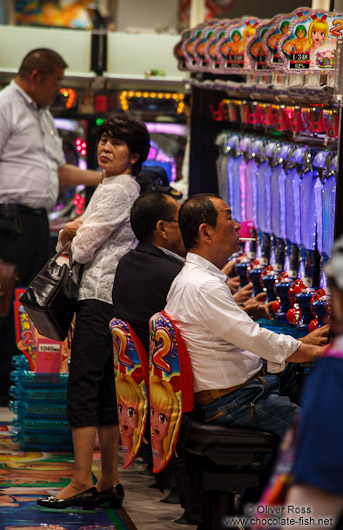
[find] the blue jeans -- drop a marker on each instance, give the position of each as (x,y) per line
(257,405)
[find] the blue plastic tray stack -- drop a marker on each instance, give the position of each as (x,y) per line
(39,403)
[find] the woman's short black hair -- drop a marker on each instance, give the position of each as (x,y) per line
(149,208)
(194,211)
(131,131)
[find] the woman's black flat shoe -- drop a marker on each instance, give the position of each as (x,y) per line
(114,496)
(86,499)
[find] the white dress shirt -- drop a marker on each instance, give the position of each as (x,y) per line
(30,151)
(224,344)
(105,235)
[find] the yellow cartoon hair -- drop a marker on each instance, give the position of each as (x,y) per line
(249,31)
(318,24)
(163,397)
(130,393)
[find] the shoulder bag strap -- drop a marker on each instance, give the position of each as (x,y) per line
(60,252)
(78,274)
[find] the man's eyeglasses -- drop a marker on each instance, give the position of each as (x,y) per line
(171,221)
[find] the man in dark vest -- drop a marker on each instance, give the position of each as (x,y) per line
(144,274)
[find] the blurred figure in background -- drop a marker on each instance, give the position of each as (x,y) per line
(318,465)
(32,167)
(307,479)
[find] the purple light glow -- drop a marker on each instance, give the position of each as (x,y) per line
(243,188)
(152,153)
(156,153)
(167,128)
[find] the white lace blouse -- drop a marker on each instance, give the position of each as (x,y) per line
(105,235)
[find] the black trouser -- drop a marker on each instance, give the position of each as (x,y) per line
(24,240)
(91,386)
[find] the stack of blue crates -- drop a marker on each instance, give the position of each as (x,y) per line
(39,403)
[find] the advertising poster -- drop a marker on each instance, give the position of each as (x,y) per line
(76,14)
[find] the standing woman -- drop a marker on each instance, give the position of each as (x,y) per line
(100,238)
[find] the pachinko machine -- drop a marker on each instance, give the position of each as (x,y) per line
(72,199)
(278,52)
(283,194)
(279,75)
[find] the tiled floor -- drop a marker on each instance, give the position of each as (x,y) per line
(141,502)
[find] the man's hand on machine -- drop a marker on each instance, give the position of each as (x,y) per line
(243,294)
(229,267)
(318,337)
(229,270)
(257,308)
(233,285)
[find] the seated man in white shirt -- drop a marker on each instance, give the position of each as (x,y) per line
(226,347)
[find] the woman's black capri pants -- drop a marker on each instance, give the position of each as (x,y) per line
(91,399)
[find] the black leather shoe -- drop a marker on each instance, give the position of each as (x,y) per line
(86,499)
(114,496)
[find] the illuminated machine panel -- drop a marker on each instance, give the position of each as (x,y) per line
(168,142)
(71,200)
(155,102)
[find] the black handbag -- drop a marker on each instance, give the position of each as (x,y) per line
(51,298)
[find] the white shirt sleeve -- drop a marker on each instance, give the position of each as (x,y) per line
(217,311)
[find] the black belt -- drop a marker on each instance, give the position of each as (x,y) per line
(11,210)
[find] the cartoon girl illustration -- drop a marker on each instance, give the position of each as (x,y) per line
(130,402)
(248,34)
(317,32)
(275,37)
(235,46)
(164,419)
(299,43)
(317,35)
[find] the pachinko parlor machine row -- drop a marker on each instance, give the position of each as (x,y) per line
(278,74)
(39,387)
(283,194)
(276,51)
